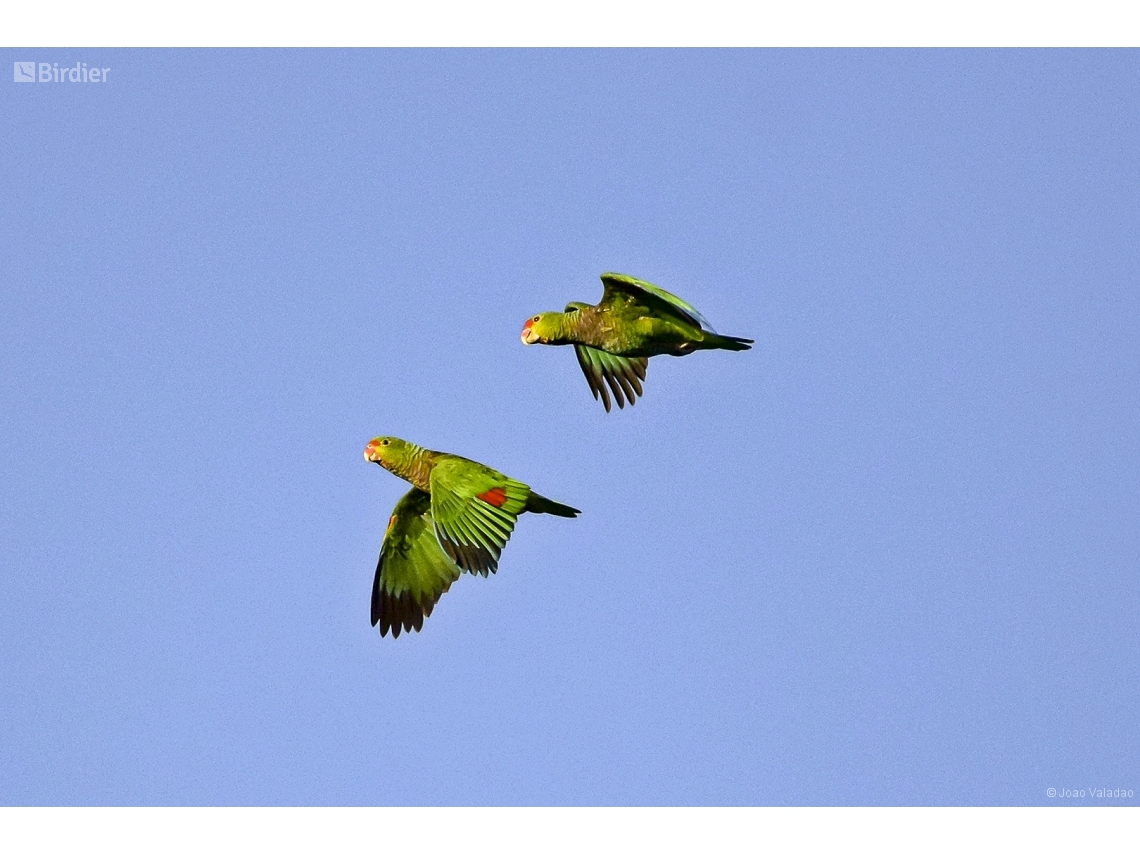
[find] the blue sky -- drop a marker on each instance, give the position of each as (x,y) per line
(889,556)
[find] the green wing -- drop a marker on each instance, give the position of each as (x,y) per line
(474,509)
(652,297)
(413,572)
(622,373)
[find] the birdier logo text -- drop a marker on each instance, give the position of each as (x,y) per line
(51,72)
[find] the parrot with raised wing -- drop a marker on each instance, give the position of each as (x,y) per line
(633,321)
(457,517)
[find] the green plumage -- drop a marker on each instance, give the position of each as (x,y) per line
(413,571)
(614,339)
(458,516)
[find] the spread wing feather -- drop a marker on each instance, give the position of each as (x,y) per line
(413,572)
(474,509)
(651,296)
(623,374)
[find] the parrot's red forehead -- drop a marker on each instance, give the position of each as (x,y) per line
(529,323)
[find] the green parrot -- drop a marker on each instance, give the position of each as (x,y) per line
(614,339)
(457,517)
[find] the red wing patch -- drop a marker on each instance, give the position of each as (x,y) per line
(495,496)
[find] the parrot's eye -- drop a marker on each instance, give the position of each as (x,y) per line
(535,319)
(383,442)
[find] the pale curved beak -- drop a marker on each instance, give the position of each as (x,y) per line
(528,335)
(371,452)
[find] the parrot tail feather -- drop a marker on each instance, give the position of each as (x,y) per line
(729,342)
(537,504)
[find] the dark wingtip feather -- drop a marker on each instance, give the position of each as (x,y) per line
(622,376)
(471,557)
(597,387)
(613,379)
(400,612)
(623,379)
